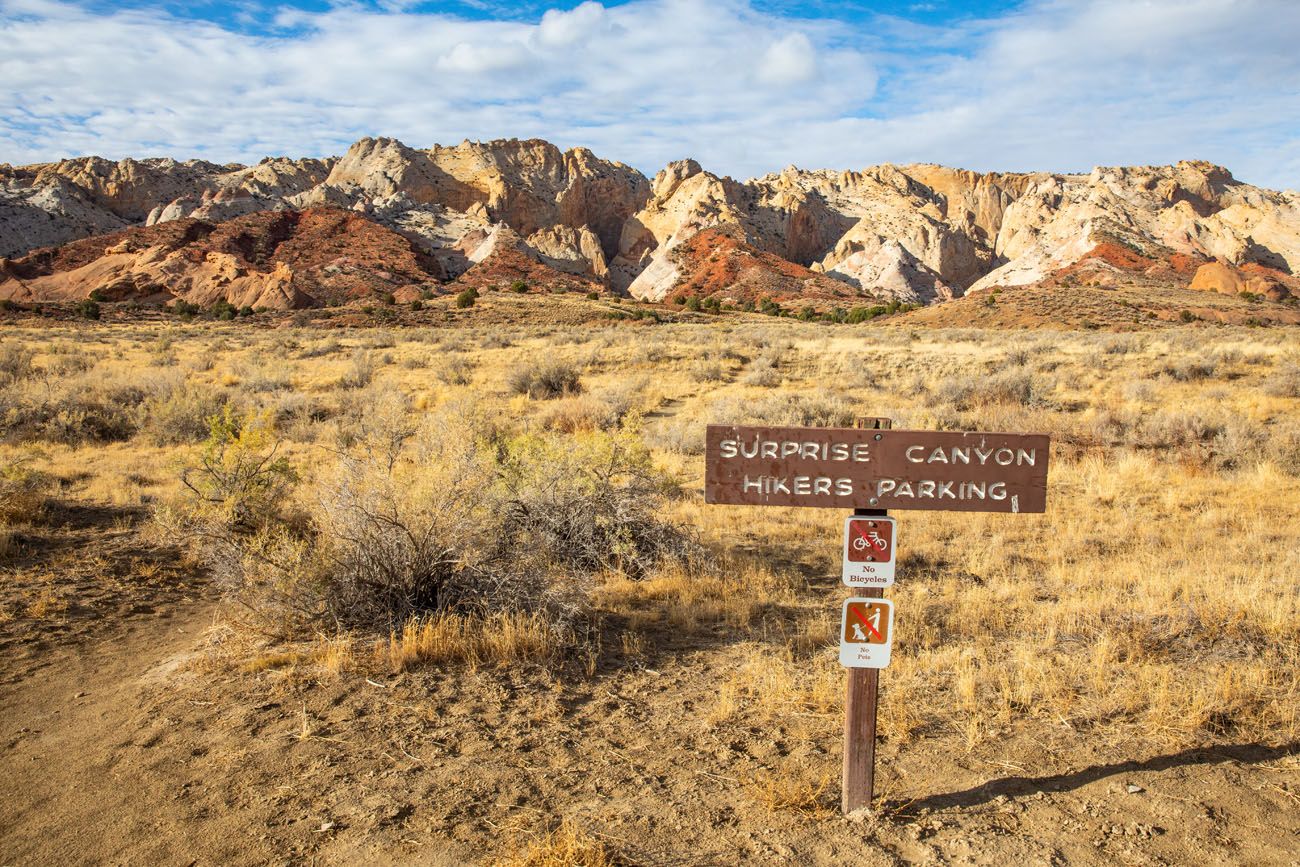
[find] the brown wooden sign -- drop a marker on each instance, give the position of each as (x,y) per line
(849,468)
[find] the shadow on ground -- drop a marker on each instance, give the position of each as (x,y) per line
(1020,786)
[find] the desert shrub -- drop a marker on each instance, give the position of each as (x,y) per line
(1017,387)
(328,346)
(762,373)
(1165,429)
(707,370)
(456,370)
(360,371)
(545,380)
(26,499)
(1122,344)
(261,378)
(15,363)
(1284,381)
(72,411)
(1189,371)
(239,479)
(178,412)
(452,517)
(88,309)
(579,413)
(1139,391)
(26,494)
(519,286)
(467,297)
(589,502)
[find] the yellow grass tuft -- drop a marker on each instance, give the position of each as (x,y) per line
(567,846)
(785,790)
(477,640)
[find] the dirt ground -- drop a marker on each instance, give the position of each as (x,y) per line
(1068,688)
(124,744)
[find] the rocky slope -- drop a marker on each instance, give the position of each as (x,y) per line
(417,219)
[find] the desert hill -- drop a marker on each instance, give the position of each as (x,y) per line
(391,219)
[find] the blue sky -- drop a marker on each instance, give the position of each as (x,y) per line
(744,86)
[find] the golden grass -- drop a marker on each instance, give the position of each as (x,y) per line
(451,638)
(1155,602)
(48,604)
(567,846)
(785,790)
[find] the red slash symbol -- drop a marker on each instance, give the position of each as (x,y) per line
(866,623)
(864,540)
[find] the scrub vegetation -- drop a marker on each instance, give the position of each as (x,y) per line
(519,511)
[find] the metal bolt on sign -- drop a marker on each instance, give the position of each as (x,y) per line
(870,468)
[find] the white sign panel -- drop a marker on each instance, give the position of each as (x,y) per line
(869,545)
(866,633)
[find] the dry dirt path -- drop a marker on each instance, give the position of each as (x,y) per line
(68,792)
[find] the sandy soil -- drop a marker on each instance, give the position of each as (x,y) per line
(122,742)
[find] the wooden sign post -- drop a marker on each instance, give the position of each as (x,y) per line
(871,468)
(861,695)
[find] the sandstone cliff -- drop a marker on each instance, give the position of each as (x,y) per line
(917,233)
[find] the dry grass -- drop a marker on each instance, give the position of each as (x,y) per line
(567,846)
(1154,603)
(495,639)
(790,791)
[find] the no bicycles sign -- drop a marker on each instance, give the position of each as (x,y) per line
(869,545)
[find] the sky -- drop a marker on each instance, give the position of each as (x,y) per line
(745,87)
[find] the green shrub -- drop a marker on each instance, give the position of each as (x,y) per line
(223,310)
(185,309)
(467,297)
(693,304)
(518,286)
(88,309)
(592,296)
(246,310)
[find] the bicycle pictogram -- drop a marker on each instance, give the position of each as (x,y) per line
(872,539)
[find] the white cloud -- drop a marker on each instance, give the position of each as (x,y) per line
(559,28)
(791,60)
(1058,84)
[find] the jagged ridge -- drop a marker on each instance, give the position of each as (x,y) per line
(917,233)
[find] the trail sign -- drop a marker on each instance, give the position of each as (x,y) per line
(879,469)
(869,545)
(870,468)
(866,633)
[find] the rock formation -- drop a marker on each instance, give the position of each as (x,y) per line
(918,233)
